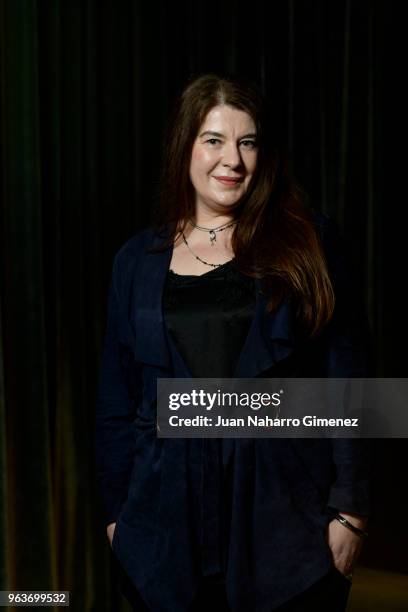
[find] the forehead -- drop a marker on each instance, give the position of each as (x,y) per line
(227,118)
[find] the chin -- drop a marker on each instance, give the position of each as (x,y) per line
(229,201)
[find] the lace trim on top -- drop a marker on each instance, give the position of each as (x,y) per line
(232,285)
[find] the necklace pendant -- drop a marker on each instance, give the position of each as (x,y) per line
(213,237)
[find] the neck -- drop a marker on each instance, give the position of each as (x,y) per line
(211,221)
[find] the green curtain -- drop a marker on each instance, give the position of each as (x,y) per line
(27,501)
(85,91)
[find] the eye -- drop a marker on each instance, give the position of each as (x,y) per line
(252,143)
(213,140)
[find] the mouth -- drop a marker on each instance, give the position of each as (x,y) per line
(229,182)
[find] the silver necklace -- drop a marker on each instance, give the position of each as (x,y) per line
(212,233)
(199,258)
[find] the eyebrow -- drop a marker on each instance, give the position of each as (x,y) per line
(252,135)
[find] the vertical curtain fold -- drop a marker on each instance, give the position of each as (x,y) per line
(28,499)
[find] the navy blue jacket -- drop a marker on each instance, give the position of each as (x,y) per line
(284,490)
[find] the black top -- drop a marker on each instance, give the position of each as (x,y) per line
(208,317)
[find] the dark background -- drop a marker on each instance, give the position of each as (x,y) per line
(86,88)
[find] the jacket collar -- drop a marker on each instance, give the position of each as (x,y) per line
(270,338)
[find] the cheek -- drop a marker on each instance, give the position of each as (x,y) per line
(194,155)
(252,163)
(197,156)
(196,162)
(201,162)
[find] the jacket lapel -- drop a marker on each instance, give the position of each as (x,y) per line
(150,345)
(270,338)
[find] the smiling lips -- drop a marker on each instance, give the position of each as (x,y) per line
(226,180)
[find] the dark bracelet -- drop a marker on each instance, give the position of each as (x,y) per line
(346,523)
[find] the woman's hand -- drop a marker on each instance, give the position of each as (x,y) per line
(345,546)
(110,531)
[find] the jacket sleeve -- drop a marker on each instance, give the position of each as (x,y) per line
(115,412)
(349,355)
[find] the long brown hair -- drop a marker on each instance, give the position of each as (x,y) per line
(275,239)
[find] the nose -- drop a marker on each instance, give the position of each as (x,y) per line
(231,155)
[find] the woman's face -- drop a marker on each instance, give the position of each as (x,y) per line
(225,147)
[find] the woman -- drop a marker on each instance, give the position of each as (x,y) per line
(236,279)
